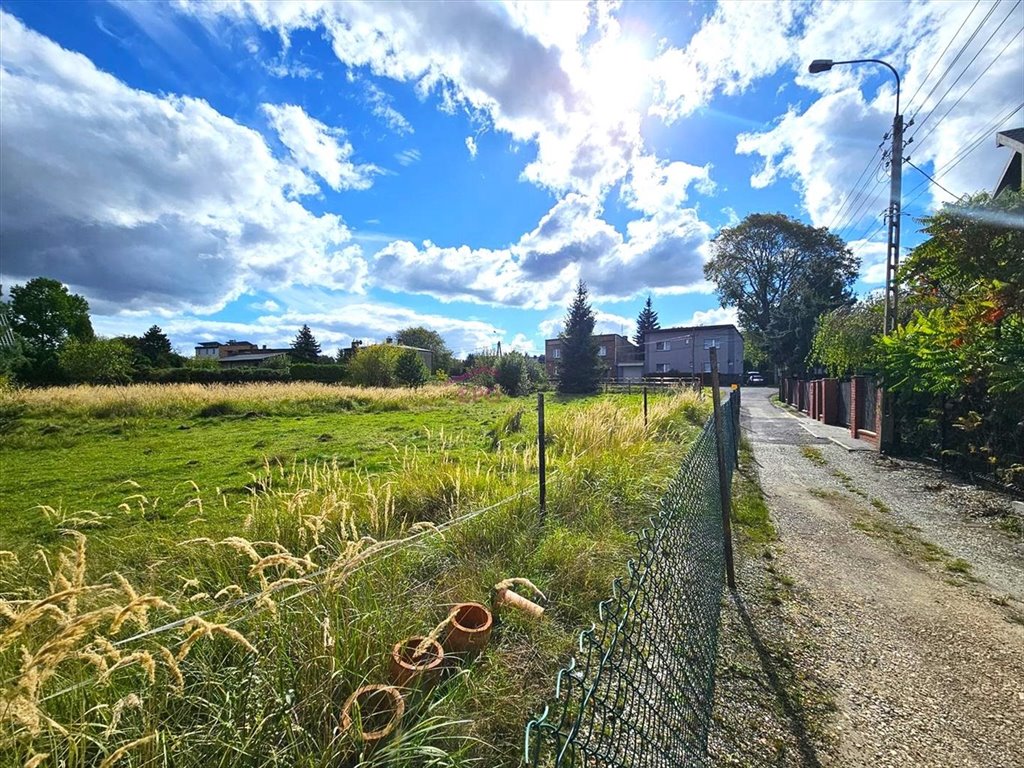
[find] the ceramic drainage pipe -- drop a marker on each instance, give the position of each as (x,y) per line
(506,597)
(469,629)
(373,712)
(416,662)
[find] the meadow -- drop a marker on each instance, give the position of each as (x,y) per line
(201,575)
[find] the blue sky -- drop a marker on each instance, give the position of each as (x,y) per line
(237,169)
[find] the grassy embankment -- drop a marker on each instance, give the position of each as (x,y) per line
(267,486)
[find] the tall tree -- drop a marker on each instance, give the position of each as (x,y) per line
(305,348)
(646,321)
(424,338)
(781,274)
(46,314)
(410,369)
(155,346)
(579,369)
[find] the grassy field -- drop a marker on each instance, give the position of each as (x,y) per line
(290,535)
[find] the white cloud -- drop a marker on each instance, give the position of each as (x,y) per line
(823,148)
(716,316)
(471,146)
(145,201)
(266,306)
(408,156)
(381,106)
(736,45)
(318,148)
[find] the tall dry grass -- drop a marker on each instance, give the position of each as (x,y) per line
(270,629)
(215,399)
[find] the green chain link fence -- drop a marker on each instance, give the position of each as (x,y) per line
(640,690)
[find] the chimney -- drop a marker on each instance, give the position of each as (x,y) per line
(264,346)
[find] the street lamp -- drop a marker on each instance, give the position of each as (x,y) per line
(892,261)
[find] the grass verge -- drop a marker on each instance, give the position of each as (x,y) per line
(336,564)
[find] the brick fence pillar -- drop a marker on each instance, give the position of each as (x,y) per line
(856,392)
(830,401)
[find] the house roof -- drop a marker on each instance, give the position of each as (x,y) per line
(1013,138)
(254,356)
(692,328)
(208,344)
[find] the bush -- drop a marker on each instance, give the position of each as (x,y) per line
(104,361)
(410,369)
(374,366)
(327,374)
(512,374)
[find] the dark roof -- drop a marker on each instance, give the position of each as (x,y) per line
(254,356)
(1013,138)
(691,328)
(208,344)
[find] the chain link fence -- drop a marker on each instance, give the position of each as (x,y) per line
(640,689)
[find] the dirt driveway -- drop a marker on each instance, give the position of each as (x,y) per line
(902,608)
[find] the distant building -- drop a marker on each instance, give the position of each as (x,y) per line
(1011,176)
(237,354)
(687,350)
(683,351)
(623,360)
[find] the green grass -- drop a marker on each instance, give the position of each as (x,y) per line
(750,516)
(385,470)
(813,455)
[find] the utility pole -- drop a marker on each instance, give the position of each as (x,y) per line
(887,438)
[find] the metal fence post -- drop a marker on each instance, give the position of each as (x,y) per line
(723,476)
(645,407)
(542,466)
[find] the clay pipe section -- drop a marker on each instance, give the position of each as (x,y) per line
(411,669)
(469,629)
(377,709)
(507,598)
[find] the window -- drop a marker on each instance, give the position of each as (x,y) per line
(662,346)
(707,367)
(602,351)
(661,368)
(712,343)
(556,352)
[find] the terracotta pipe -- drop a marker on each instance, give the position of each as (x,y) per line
(380,710)
(504,596)
(469,629)
(411,667)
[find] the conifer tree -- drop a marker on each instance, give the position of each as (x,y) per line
(155,346)
(305,348)
(647,321)
(579,369)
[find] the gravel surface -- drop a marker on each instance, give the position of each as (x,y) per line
(925,666)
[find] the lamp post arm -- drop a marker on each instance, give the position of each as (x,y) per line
(884,64)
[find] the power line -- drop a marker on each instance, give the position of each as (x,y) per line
(963,72)
(935,125)
(936,63)
(952,64)
(933,181)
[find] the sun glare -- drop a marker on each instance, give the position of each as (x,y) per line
(618,77)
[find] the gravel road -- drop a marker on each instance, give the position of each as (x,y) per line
(926,665)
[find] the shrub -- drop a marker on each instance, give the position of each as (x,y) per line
(104,361)
(328,374)
(374,366)
(410,369)
(512,374)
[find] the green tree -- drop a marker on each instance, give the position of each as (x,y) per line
(46,314)
(424,338)
(846,339)
(513,374)
(100,361)
(410,369)
(305,348)
(374,366)
(781,275)
(579,369)
(155,346)
(646,321)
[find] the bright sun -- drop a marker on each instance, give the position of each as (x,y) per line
(618,78)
